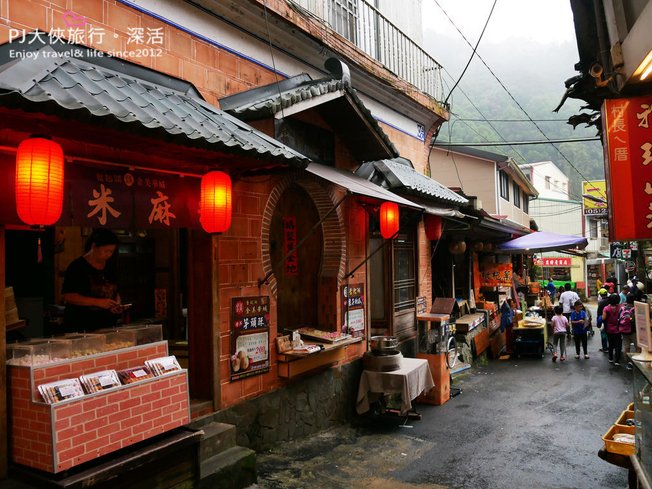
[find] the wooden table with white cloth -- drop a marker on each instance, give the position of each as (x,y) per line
(410,380)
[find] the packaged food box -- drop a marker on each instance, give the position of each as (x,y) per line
(99,381)
(117,338)
(86,344)
(146,333)
(60,390)
(620,439)
(163,365)
(135,374)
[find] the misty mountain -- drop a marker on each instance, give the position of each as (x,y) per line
(534,74)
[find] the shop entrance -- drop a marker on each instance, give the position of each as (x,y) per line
(297,277)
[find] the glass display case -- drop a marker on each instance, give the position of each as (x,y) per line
(86,344)
(643,415)
(117,338)
(146,333)
(38,351)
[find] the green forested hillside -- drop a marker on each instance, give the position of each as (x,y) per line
(534,74)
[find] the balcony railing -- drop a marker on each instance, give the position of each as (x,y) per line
(366,27)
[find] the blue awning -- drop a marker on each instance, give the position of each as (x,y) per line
(543,241)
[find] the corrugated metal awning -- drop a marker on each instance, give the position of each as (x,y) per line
(358,185)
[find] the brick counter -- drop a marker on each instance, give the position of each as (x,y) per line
(56,437)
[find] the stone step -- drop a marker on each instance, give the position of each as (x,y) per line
(217,438)
(234,468)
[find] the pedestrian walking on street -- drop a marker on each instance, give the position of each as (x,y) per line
(578,322)
(603,300)
(559,330)
(610,316)
(568,300)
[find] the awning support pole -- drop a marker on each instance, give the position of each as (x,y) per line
(385,241)
(263,280)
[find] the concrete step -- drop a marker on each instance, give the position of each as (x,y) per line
(234,468)
(217,438)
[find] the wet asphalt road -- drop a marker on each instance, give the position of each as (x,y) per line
(526,423)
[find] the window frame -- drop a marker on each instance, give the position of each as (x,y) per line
(504,185)
(517,194)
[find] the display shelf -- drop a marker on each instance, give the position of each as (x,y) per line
(290,366)
(56,437)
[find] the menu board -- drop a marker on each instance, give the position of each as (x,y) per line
(353,309)
(249,336)
(642,321)
(495,274)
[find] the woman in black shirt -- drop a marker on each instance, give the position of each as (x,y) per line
(90,289)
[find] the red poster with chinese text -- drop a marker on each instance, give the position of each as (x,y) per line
(627,125)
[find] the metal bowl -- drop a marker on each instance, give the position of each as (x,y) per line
(383,343)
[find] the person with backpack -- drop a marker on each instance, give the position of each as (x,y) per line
(603,300)
(610,320)
(627,329)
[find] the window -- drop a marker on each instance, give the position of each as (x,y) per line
(517,195)
(593,229)
(547,183)
(404,275)
(526,203)
(504,185)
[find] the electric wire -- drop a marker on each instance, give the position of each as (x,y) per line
(511,96)
(473,53)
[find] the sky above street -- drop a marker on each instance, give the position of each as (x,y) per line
(543,22)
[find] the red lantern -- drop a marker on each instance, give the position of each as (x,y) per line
(389,222)
(215,202)
(457,247)
(433,227)
(39,181)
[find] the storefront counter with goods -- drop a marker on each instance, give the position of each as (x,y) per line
(75,398)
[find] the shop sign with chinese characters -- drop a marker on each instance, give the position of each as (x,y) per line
(553,262)
(495,275)
(116,198)
(249,336)
(353,302)
(597,205)
(627,124)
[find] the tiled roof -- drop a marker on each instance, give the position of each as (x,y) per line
(398,174)
(106,86)
(266,101)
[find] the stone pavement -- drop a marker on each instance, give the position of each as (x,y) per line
(526,423)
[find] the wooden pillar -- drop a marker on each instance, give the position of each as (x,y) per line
(4,456)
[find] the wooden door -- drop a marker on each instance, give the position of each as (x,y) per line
(297,278)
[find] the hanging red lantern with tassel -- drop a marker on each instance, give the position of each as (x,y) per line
(39,181)
(389,219)
(215,204)
(433,227)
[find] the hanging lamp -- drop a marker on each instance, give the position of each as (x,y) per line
(215,203)
(433,226)
(39,181)
(389,219)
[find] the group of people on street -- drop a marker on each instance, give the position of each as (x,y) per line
(616,318)
(570,316)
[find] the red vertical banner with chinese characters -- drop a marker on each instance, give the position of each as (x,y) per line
(627,124)
(290,242)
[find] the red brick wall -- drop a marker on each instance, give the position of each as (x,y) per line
(94,425)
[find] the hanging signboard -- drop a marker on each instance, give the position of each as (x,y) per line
(290,242)
(249,336)
(115,197)
(353,308)
(594,197)
(555,262)
(626,250)
(627,124)
(496,274)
